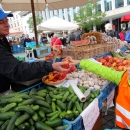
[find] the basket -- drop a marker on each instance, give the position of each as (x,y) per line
(53,83)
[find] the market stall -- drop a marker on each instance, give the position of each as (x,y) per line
(71,101)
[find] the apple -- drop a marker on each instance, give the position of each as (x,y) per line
(98,59)
(106,58)
(109,56)
(125,62)
(120,68)
(103,61)
(114,64)
(111,60)
(124,68)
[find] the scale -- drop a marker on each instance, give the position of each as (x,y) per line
(42,52)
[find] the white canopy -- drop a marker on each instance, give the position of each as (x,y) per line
(57,24)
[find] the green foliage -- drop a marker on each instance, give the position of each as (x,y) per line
(87,16)
(31,24)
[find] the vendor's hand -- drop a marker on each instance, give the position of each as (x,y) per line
(58,66)
(74,62)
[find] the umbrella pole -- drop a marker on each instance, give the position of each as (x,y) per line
(34,21)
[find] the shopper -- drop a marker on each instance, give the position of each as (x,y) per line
(127,35)
(122,79)
(109,30)
(122,35)
(55,40)
(78,33)
(27,39)
(43,39)
(71,37)
(12,69)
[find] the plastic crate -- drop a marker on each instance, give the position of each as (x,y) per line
(100,100)
(39,86)
(124,48)
(77,124)
(107,89)
(18,48)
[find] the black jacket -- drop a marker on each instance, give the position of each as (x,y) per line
(111,33)
(12,69)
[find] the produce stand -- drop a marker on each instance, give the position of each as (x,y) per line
(95,51)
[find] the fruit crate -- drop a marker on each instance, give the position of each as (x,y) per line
(39,86)
(107,89)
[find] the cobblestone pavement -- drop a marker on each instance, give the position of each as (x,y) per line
(108,119)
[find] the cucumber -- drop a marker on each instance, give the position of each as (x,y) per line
(55,92)
(23,95)
(22,127)
(53,105)
(10,95)
(41,113)
(37,97)
(6,115)
(50,88)
(27,125)
(59,110)
(69,97)
(32,128)
(42,126)
(33,91)
(61,105)
(78,107)
(1,122)
(98,91)
(71,90)
(21,119)
(42,103)
(35,107)
(92,95)
(11,124)
(74,98)
(3,127)
(52,114)
(62,114)
(55,116)
(31,121)
(70,104)
(48,99)
(46,110)
(8,107)
(43,90)
(81,104)
(27,102)
(70,117)
(27,109)
(56,96)
(85,105)
(41,94)
(61,127)
(54,123)
(11,100)
(91,99)
(35,117)
(65,96)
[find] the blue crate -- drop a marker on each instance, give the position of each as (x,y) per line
(77,124)
(18,48)
(124,48)
(100,100)
(107,89)
(64,122)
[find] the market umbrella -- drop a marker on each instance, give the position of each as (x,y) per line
(14,32)
(56,23)
(125,18)
(39,5)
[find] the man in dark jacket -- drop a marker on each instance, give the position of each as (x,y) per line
(13,70)
(78,33)
(109,30)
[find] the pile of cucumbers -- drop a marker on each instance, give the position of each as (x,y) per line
(41,109)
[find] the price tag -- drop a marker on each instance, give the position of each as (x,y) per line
(90,115)
(18,46)
(110,99)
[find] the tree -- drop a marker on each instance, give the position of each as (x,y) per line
(31,24)
(88,16)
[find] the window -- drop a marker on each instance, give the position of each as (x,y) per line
(14,24)
(128,2)
(108,5)
(119,3)
(19,29)
(16,16)
(18,23)
(98,6)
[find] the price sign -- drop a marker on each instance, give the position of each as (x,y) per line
(110,99)
(90,115)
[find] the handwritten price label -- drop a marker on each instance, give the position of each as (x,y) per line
(90,115)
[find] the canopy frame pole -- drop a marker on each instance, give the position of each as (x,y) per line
(34,21)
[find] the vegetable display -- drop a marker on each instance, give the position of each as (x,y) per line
(42,109)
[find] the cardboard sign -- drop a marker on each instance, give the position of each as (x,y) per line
(90,115)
